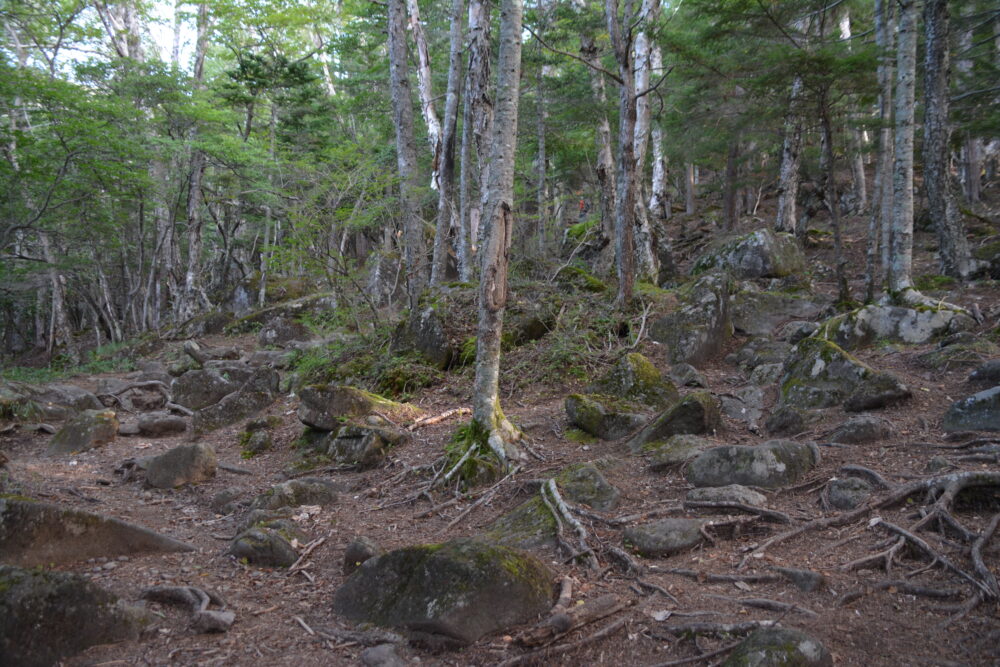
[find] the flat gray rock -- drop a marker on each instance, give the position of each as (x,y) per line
(732,493)
(665,537)
(771,647)
(770,465)
(87,430)
(186,464)
(862,429)
(979,412)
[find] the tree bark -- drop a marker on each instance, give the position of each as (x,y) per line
(465,236)
(497,235)
(690,189)
(856,142)
(827,167)
(788,172)
(446,166)
(882,195)
(478,87)
(605,166)
(647,261)
(414,253)
(659,200)
(730,214)
(901,250)
(953,246)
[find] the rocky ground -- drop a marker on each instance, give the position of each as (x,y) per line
(866,527)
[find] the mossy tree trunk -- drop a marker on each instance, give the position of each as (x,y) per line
(497,236)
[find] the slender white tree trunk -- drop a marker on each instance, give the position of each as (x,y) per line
(856,139)
(647,262)
(605,166)
(882,196)
(497,237)
(659,200)
(901,252)
(788,172)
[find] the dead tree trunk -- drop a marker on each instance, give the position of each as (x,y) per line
(788,172)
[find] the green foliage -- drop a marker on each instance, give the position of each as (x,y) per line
(480,464)
(933,282)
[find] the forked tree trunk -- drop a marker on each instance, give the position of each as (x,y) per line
(497,236)
(414,260)
(953,246)
(901,250)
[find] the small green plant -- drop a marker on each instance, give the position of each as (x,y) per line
(933,282)
(470,453)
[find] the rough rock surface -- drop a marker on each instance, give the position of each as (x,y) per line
(47,616)
(262,546)
(200,388)
(635,377)
(862,429)
(745,404)
(664,537)
(158,424)
(819,374)
(761,254)
(848,493)
(447,594)
(979,412)
(697,413)
(700,325)
(359,550)
(865,326)
(760,351)
(987,373)
(89,429)
(327,406)
(603,416)
(771,647)
(732,493)
(295,492)
(33,533)
(53,402)
(281,331)
(186,464)
(760,313)
(771,465)
(423,332)
(256,394)
(677,449)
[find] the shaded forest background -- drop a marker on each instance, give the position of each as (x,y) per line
(257,159)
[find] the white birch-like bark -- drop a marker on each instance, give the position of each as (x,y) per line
(690,188)
(414,260)
(854,132)
(478,87)
(605,166)
(882,196)
(465,234)
(659,199)
(497,237)
(971,151)
(901,253)
(953,246)
(647,262)
(425,88)
(788,171)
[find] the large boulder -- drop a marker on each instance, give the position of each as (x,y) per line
(761,351)
(361,445)
(447,594)
(201,388)
(759,313)
(865,326)
(159,424)
(770,465)
(256,394)
(89,429)
(603,416)
(761,254)
(979,412)
(186,464)
(677,449)
(295,492)
(264,547)
(325,407)
(54,402)
(745,404)
(819,374)
(862,429)
(700,325)
(787,647)
(848,493)
(987,373)
(280,331)
(48,616)
(664,538)
(424,333)
(697,413)
(634,377)
(33,533)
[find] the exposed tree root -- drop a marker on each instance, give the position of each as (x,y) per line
(766,514)
(568,618)
(900,586)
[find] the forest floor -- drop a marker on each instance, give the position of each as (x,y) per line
(281,617)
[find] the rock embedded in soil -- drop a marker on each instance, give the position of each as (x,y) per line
(871,324)
(848,493)
(979,412)
(760,254)
(988,373)
(423,332)
(805,580)
(745,404)
(731,493)
(264,547)
(449,594)
(761,351)
(325,407)
(48,616)
(793,332)
(295,492)
(256,394)
(770,647)
(359,550)
(960,356)
(634,377)
(280,331)
(862,429)
(770,465)
(361,445)
(383,655)
(584,484)
(696,413)
(677,449)
(664,538)
(603,416)
(786,420)
(700,326)
(225,502)
(198,389)
(687,375)
(766,374)
(185,464)
(54,402)
(159,424)
(760,313)
(89,429)
(33,533)
(819,374)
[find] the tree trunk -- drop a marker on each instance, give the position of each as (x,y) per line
(659,200)
(788,172)
(605,166)
(953,246)
(498,231)
(446,167)
(856,142)
(61,333)
(414,259)
(465,236)
(690,189)
(971,151)
(541,159)
(478,87)
(882,196)
(901,250)
(827,168)
(647,261)
(730,213)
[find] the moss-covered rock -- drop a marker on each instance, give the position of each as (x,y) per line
(361,445)
(760,313)
(784,647)
(675,450)
(770,465)
(33,533)
(584,484)
(327,407)
(696,413)
(819,374)
(848,493)
(760,254)
(255,394)
(46,617)
(606,417)
(761,351)
(581,279)
(960,356)
(200,388)
(447,594)
(635,377)
(979,412)
(295,492)
(424,332)
(987,373)
(89,429)
(20,401)
(264,547)
(663,538)
(700,326)
(866,326)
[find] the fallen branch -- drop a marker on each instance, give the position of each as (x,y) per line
(719,628)
(486,497)
(565,648)
(723,578)
(306,552)
(566,620)
(900,586)
(764,603)
(239,470)
(560,505)
(437,419)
